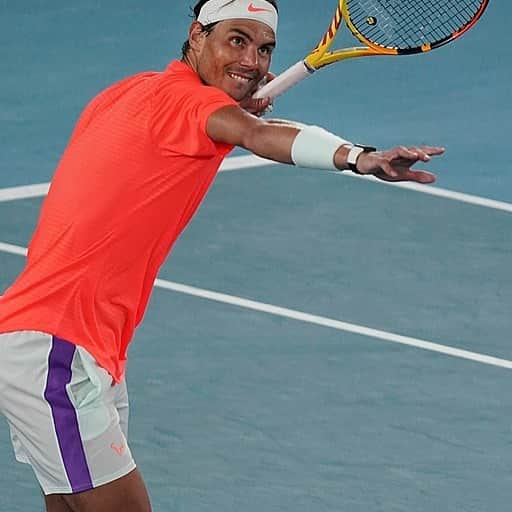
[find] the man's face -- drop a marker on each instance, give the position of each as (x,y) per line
(236,56)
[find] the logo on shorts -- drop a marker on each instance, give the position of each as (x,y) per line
(253,8)
(118,449)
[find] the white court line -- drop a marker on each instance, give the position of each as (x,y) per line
(250,161)
(441,192)
(333,324)
(311,319)
(13,249)
(23,192)
(234,163)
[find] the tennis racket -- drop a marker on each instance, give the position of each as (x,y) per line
(384,27)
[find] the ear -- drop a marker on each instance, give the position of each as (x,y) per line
(196,36)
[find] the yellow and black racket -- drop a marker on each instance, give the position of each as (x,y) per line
(385,27)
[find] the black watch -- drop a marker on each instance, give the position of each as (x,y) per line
(354,153)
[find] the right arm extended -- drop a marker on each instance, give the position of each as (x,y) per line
(290,143)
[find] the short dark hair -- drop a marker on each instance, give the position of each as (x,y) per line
(208,28)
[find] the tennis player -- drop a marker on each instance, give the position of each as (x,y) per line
(140,160)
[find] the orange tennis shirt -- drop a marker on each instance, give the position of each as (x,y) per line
(137,166)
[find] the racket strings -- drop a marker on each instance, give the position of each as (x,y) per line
(408,24)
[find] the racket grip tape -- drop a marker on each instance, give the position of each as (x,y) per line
(292,76)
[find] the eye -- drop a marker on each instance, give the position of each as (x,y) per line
(237,41)
(265,51)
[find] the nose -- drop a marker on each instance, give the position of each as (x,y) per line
(250,57)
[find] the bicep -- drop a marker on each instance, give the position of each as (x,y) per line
(231,125)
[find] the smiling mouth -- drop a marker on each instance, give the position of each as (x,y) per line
(240,78)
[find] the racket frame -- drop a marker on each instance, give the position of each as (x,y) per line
(321,56)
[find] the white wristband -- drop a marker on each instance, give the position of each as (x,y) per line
(315,147)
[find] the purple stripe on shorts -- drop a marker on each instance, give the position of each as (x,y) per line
(64,415)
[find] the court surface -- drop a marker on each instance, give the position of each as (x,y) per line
(316,341)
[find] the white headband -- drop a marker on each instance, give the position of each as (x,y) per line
(221,10)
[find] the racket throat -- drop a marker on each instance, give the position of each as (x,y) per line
(309,68)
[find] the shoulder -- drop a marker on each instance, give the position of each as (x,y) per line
(180,83)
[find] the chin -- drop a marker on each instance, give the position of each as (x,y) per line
(237,92)
(237,95)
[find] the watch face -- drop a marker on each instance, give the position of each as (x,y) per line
(353,154)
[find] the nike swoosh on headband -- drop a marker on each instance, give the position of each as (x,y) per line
(221,10)
(253,8)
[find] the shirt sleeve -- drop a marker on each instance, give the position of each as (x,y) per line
(179,116)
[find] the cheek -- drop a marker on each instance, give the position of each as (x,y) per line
(206,68)
(212,62)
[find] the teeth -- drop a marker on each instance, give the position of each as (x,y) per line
(239,78)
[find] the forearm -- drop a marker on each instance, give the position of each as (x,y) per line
(271,140)
(280,140)
(306,146)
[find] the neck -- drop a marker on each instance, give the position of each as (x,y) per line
(190,60)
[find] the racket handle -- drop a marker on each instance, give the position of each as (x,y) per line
(293,75)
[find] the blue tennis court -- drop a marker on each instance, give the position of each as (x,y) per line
(316,341)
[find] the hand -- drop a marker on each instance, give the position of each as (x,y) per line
(395,164)
(260,106)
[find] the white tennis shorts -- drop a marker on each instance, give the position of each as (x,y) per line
(67,418)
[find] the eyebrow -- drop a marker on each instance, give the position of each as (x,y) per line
(272,44)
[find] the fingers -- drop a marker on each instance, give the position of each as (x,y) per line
(420,176)
(261,103)
(433,150)
(408,153)
(264,106)
(423,177)
(395,164)
(418,153)
(258,107)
